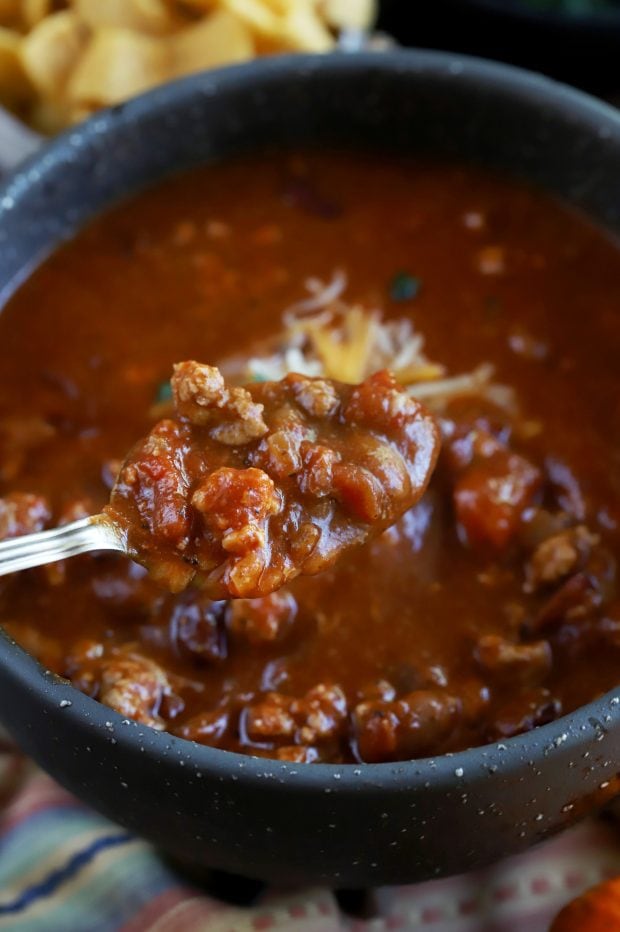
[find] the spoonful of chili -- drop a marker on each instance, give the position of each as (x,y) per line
(243,488)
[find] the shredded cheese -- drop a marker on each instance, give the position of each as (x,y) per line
(325,336)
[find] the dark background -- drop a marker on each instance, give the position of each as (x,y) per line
(582,50)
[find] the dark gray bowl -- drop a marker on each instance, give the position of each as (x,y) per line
(341,825)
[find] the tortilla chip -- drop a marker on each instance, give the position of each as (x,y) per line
(154,17)
(193,7)
(116,65)
(279,7)
(218,39)
(257,17)
(51,51)
(79,55)
(349,14)
(283,25)
(33,11)
(10,13)
(304,31)
(15,88)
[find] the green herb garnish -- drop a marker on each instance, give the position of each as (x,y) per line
(492,306)
(163,393)
(404,287)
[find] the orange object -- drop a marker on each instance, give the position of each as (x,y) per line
(597,910)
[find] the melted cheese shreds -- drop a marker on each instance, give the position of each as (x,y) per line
(323,336)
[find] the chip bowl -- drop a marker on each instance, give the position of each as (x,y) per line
(342,825)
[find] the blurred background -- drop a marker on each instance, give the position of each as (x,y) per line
(574,40)
(60,60)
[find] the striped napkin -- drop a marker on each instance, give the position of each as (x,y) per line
(64,867)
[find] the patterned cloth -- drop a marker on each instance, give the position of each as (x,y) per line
(65,868)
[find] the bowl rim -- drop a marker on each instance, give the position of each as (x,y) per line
(55,693)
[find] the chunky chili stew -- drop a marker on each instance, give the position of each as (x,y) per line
(490,607)
(246,488)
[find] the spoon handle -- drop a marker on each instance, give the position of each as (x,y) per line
(83,536)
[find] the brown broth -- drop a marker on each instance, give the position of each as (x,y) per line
(88,338)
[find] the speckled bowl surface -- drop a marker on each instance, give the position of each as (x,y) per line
(342,825)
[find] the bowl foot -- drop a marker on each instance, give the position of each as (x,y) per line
(229,888)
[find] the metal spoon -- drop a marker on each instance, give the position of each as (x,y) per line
(94,533)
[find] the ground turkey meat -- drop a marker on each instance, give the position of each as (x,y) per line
(245,488)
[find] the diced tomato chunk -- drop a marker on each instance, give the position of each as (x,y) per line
(491,495)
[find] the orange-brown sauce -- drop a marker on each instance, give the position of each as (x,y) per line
(202,267)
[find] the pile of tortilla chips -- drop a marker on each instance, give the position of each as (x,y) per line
(60,61)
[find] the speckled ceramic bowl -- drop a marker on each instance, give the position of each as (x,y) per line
(341,825)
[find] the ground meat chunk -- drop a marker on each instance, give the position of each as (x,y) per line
(262,621)
(317,397)
(574,573)
(237,498)
(317,719)
(135,686)
(316,479)
(237,503)
(321,713)
(280,452)
(166,509)
(22,513)
(271,719)
(525,664)
(377,402)
(408,728)
(202,396)
(316,468)
(157,484)
(559,556)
